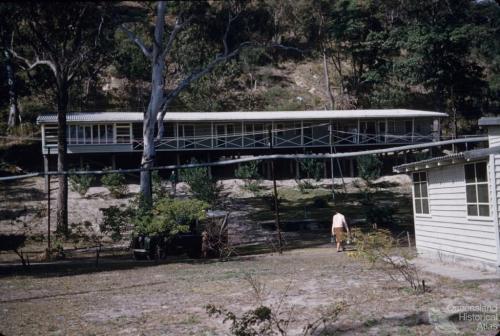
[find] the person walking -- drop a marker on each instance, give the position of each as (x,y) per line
(339,226)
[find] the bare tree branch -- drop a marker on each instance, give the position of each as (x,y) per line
(177,28)
(36,62)
(137,40)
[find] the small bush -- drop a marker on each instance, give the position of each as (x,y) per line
(312,168)
(115,182)
(114,221)
(383,252)
(269,200)
(320,203)
(201,184)
(304,186)
(369,167)
(80,183)
(169,217)
(249,173)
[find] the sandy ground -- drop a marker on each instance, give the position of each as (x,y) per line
(23,204)
(169,299)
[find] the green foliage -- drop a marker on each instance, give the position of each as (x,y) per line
(379,215)
(81,183)
(116,184)
(313,168)
(249,172)
(169,217)
(254,322)
(369,167)
(114,221)
(203,187)
(159,185)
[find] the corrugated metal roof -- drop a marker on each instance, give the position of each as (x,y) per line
(475,154)
(242,116)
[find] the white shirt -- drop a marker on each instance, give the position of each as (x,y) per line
(339,221)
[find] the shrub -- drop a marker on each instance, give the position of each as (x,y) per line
(312,168)
(320,203)
(382,251)
(304,186)
(115,182)
(380,215)
(80,183)
(159,185)
(249,172)
(114,221)
(201,184)
(169,216)
(369,167)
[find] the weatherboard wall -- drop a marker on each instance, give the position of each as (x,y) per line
(447,232)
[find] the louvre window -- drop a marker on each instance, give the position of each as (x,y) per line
(476,184)
(421,193)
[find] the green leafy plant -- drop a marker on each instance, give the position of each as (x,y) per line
(203,187)
(312,168)
(249,173)
(116,184)
(169,217)
(114,221)
(369,168)
(81,183)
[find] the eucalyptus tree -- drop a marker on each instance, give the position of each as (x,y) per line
(69,42)
(216,42)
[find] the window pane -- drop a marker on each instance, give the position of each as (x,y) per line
(425,205)
(472,209)
(481,172)
(416,177)
(418,206)
(417,190)
(484,210)
(88,135)
(95,134)
(72,134)
(469,173)
(423,176)
(102,134)
(482,193)
(424,189)
(109,133)
(79,134)
(471,193)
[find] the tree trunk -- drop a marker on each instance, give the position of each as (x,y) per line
(155,103)
(62,194)
(14,116)
(327,81)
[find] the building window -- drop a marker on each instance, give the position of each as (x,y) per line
(476,184)
(421,194)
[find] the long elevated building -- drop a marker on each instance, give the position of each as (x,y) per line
(99,137)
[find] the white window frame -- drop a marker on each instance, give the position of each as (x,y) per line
(421,198)
(476,184)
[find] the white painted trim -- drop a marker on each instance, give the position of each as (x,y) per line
(494,202)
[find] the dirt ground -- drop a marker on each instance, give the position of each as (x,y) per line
(169,299)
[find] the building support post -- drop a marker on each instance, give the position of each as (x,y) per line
(113,161)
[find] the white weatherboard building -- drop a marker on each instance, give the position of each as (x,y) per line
(456,203)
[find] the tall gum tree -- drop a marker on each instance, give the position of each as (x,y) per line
(160,50)
(71,41)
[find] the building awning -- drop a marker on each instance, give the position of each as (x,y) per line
(93,117)
(439,161)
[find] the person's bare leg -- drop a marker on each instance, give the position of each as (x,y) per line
(338,246)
